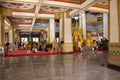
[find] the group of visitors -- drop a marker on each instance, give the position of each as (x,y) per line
(103,44)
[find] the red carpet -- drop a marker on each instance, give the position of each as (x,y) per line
(18,53)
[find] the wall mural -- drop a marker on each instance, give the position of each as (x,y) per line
(95,24)
(43,23)
(114,54)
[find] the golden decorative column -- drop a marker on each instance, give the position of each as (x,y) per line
(62,27)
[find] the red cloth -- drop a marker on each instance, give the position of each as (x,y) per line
(18,53)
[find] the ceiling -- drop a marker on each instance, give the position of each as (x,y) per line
(25,13)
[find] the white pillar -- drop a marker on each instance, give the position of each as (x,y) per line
(67,29)
(52,30)
(68,45)
(61,29)
(105,25)
(80,20)
(82,23)
(114,33)
(11,36)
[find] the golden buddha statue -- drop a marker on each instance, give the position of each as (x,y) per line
(88,41)
(77,39)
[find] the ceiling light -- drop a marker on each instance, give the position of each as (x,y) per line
(76,18)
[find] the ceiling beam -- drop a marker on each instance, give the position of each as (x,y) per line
(59,4)
(36,12)
(97,9)
(23,14)
(31,15)
(7,21)
(48,16)
(84,6)
(45,2)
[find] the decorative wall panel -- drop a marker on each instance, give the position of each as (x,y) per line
(114,54)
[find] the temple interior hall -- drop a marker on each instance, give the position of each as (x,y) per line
(59,39)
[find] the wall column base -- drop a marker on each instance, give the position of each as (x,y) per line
(114,54)
(67,47)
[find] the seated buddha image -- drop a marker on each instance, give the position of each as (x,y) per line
(89,41)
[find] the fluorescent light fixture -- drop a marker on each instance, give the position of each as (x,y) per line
(23,14)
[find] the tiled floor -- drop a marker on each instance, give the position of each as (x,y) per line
(85,66)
